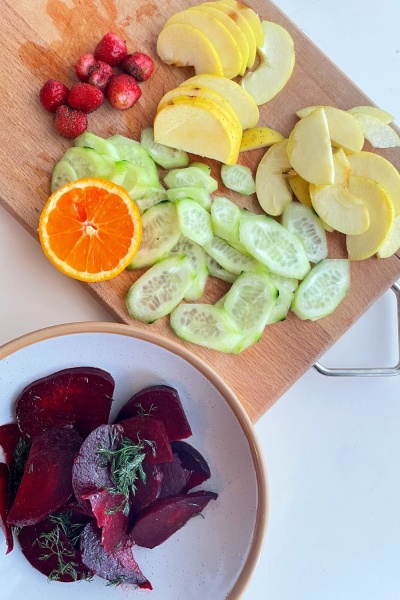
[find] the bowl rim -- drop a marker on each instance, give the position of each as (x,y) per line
(260,527)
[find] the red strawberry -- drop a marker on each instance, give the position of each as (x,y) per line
(85,97)
(53,94)
(100,74)
(70,123)
(83,65)
(111,49)
(139,65)
(123,91)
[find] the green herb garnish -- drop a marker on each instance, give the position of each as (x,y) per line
(73,531)
(21,454)
(143,413)
(56,547)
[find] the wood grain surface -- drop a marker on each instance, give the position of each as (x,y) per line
(43,39)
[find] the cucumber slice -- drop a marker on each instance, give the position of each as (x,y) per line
(133,151)
(205,325)
(273,245)
(225,218)
(161,233)
(191,177)
(166,157)
(194,221)
(286,288)
(193,193)
(201,165)
(229,258)
(196,255)
(322,290)
(303,222)
(238,178)
(217,271)
(160,289)
(101,145)
(63,173)
(150,197)
(86,162)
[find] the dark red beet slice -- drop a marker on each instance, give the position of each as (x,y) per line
(161,402)
(118,567)
(9,436)
(4,498)
(146,493)
(112,521)
(47,480)
(193,461)
(146,428)
(175,478)
(47,539)
(163,518)
(81,397)
(90,472)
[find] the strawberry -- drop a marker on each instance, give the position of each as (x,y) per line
(139,65)
(100,74)
(83,65)
(111,49)
(69,122)
(53,94)
(85,97)
(123,91)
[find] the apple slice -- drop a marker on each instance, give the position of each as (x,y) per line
(222,40)
(185,45)
(241,102)
(373,166)
(392,241)
(241,22)
(259,137)
(340,208)
(374,111)
(300,188)
(342,167)
(309,149)
(344,129)
(381,213)
(378,133)
(272,188)
(251,17)
(277,58)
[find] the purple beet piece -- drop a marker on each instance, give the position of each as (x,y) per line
(118,567)
(47,539)
(161,402)
(90,472)
(110,518)
(4,499)
(81,397)
(47,480)
(163,518)
(146,493)
(175,478)
(193,461)
(146,428)
(9,436)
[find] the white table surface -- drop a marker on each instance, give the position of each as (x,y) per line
(332,446)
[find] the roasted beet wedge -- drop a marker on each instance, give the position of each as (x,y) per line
(163,518)
(146,493)
(193,461)
(118,567)
(47,480)
(161,402)
(4,498)
(90,472)
(49,550)
(81,397)
(146,428)
(9,436)
(107,508)
(175,478)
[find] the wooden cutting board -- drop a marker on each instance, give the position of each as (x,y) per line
(43,39)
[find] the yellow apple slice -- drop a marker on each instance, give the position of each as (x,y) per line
(340,208)
(277,58)
(241,102)
(381,214)
(374,111)
(233,29)
(251,17)
(373,166)
(309,149)
(259,137)
(239,19)
(344,129)
(200,126)
(378,133)
(222,40)
(392,241)
(342,167)
(184,45)
(300,188)
(272,188)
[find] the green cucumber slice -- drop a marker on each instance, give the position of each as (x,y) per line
(63,173)
(149,197)
(191,177)
(229,258)
(250,301)
(99,144)
(225,218)
(194,221)
(196,255)
(238,178)
(166,157)
(160,233)
(205,325)
(160,289)
(217,271)
(86,162)
(273,245)
(322,290)
(193,193)
(201,165)
(303,222)
(286,288)
(133,151)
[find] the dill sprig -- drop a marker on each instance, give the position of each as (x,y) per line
(51,541)
(117,581)
(21,454)
(73,531)
(145,413)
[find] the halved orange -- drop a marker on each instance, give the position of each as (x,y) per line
(90,229)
